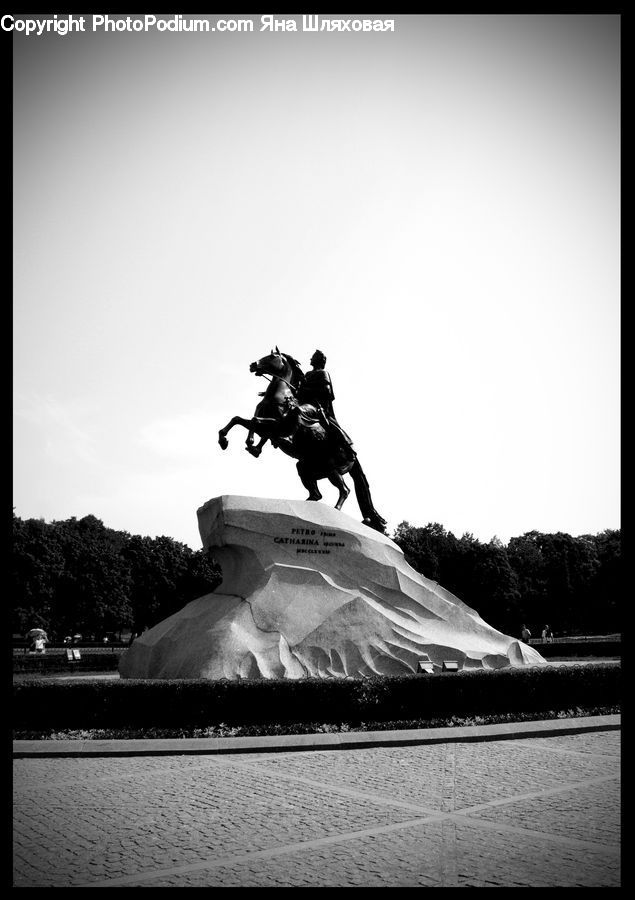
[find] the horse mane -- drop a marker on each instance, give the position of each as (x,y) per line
(297,375)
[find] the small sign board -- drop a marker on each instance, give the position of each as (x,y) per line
(425,666)
(450,665)
(73,654)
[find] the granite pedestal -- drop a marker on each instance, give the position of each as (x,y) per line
(308,591)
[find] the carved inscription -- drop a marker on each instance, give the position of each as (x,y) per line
(311,540)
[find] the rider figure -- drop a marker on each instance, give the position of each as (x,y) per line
(317,389)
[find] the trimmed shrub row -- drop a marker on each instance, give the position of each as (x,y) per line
(198,704)
(571,649)
(57,662)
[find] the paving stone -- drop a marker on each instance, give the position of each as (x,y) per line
(531,812)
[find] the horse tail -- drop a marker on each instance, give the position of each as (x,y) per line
(362,492)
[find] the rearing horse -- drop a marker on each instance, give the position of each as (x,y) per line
(278,398)
(303,432)
(277,401)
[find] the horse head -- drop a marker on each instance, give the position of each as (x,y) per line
(273,364)
(278,365)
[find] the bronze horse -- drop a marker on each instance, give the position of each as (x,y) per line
(303,432)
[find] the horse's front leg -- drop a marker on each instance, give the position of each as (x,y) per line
(250,436)
(237,420)
(257,450)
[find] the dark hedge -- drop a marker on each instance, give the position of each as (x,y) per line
(57,662)
(43,704)
(572,649)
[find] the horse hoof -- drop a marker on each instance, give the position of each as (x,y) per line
(224,443)
(255,451)
(375,524)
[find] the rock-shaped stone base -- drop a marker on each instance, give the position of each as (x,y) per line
(308,591)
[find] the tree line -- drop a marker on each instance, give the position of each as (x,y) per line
(570,583)
(78,575)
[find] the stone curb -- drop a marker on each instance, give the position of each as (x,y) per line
(295,742)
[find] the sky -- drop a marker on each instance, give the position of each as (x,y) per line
(436,208)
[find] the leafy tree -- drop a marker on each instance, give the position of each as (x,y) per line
(557,574)
(494,591)
(607,583)
(538,578)
(570,565)
(203,575)
(37,563)
(165,575)
(527,560)
(93,591)
(426,549)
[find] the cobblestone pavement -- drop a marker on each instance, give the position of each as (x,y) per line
(525,812)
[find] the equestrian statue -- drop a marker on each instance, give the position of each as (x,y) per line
(296,416)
